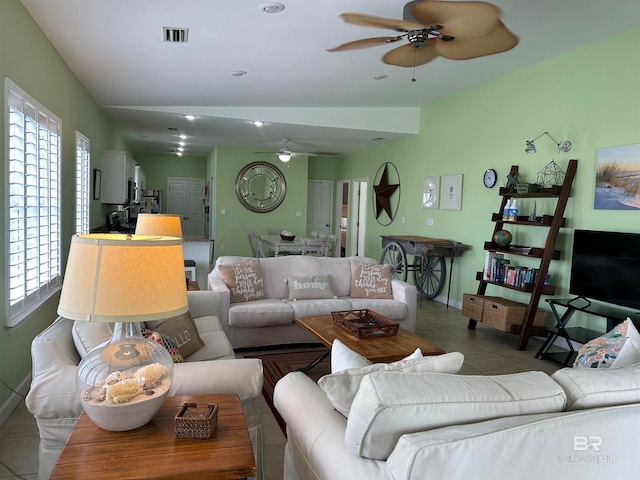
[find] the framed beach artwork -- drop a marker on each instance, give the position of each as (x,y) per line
(451,192)
(618,178)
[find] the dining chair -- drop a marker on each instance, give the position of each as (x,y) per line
(314,246)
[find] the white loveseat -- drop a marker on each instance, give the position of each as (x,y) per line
(54,403)
(578,423)
(270,321)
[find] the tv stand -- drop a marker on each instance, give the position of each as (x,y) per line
(579,335)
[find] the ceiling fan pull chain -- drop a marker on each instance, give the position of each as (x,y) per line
(413,79)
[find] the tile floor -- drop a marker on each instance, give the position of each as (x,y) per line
(486,351)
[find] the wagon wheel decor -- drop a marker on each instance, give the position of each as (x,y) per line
(386,195)
(428,275)
(393,254)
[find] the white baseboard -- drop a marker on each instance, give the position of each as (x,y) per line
(14,400)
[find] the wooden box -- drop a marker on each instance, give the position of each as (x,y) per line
(194,422)
(365,323)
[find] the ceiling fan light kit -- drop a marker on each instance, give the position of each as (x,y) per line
(562,146)
(453,30)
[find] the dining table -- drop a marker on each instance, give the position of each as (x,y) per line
(280,246)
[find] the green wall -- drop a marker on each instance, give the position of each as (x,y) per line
(28,59)
(589,96)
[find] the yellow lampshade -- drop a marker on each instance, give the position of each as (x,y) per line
(167,225)
(120,278)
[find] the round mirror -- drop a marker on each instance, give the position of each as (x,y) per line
(260,187)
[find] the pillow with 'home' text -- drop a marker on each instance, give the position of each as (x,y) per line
(317,286)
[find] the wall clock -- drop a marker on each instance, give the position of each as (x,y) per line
(260,187)
(490,178)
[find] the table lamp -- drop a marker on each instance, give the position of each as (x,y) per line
(123,279)
(159,224)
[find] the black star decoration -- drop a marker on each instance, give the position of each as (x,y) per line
(383,193)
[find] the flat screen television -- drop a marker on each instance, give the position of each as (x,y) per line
(605,266)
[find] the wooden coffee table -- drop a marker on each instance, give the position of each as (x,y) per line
(377,349)
(153,450)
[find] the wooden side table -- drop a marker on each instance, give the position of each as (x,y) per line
(153,450)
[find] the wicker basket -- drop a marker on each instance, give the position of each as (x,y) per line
(194,422)
(365,323)
(498,312)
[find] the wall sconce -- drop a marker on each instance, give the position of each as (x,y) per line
(562,147)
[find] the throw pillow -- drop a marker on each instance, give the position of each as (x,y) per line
(390,404)
(182,329)
(317,286)
(371,280)
(342,357)
(244,280)
(617,348)
(341,386)
(167,342)
(88,335)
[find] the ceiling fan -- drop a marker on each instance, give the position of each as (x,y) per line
(285,154)
(454,30)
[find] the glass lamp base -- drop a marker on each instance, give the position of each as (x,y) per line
(123,383)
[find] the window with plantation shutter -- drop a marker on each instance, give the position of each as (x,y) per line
(83,161)
(33,207)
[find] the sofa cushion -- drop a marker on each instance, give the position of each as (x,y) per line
(260,313)
(166,341)
(371,281)
(310,308)
(88,335)
(390,404)
(602,387)
(216,347)
(315,286)
(183,330)
(244,280)
(341,387)
(617,348)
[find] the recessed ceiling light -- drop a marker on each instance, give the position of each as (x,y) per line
(258,123)
(179,154)
(183,136)
(180,149)
(189,117)
(238,73)
(380,77)
(271,7)
(182,144)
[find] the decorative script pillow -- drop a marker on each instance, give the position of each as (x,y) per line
(371,280)
(182,329)
(244,280)
(317,286)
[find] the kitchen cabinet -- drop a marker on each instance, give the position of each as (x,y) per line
(118,177)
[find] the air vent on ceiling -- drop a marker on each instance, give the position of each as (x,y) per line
(175,35)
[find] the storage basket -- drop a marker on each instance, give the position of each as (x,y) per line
(472,306)
(194,422)
(365,323)
(502,314)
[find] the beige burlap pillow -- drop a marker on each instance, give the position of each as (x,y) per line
(182,329)
(244,280)
(370,280)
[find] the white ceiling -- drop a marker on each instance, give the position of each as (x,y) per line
(321,101)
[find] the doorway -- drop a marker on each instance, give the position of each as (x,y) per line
(342,217)
(319,195)
(358,214)
(186,198)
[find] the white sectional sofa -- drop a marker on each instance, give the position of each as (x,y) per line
(578,423)
(270,321)
(213,368)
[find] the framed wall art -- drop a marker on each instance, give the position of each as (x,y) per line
(451,198)
(430,192)
(617,184)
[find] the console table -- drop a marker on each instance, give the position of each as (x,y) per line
(580,335)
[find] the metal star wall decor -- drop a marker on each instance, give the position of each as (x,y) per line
(383,192)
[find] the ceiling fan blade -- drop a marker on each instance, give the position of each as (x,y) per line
(500,40)
(380,22)
(410,56)
(364,43)
(459,19)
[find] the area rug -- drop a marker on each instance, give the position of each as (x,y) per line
(277,365)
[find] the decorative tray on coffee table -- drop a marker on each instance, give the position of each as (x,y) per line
(365,323)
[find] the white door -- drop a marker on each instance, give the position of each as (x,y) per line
(186,199)
(319,196)
(358,221)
